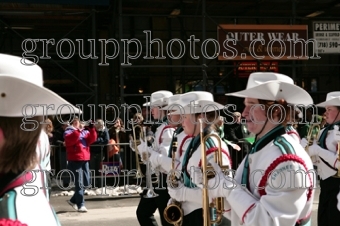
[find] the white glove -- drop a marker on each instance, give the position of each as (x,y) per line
(163,161)
(170,202)
(142,147)
(314,149)
(132,145)
(304,142)
(327,155)
(184,194)
(219,186)
(336,133)
(144,151)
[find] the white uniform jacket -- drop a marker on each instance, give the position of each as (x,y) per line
(330,157)
(29,202)
(163,138)
(279,189)
(166,167)
(291,131)
(44,155)
(195,161)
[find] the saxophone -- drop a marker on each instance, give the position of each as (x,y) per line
(173,213)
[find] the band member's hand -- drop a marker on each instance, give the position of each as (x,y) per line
(155,159)
(163,161)
(314,149)
(304,142)
(170,202)
(143,147)
(132,145)
(143,150)
(218,186)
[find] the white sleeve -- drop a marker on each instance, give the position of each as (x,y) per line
(282,203)
(166,139)
(226,160)
(330,157)
(43,151)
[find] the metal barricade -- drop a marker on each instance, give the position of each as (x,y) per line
(238,156)
(106,171)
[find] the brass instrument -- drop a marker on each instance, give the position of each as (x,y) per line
(136,142)
(150,192)
(218,205)
(311,136)
(117,137)
(338,174)
(173,213)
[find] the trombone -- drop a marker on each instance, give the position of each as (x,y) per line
(212,212)
(173,213)
(311,136)
(136,142)
(150,192)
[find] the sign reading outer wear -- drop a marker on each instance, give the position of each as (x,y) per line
(263,42)
(327,35)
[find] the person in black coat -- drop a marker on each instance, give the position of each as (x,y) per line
(235,133)
(98,148)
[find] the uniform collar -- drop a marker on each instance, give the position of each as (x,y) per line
(268,137)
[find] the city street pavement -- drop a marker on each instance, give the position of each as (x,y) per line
(103,211)
(108,211)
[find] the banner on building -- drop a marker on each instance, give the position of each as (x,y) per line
(327,35)
(263,42)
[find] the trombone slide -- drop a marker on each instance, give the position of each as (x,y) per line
(212,212)
(136,142)
(311,136)
(145,156)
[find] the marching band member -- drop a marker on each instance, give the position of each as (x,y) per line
(147,206)
(21,93)
(292,122)
(163,159)
(327,161)
(197,105)
(273,192)
(175,103)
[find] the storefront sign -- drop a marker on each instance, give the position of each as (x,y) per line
(243,69)
(263,42)
(327,35)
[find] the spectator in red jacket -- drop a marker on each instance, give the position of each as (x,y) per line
(77,142)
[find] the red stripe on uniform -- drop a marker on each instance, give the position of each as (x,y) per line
(181,146)
(279,160)
(293,132)
(160,136)
(245,213)
(21,180)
